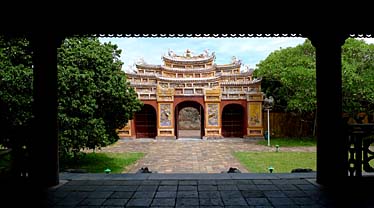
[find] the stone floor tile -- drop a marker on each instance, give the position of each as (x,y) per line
(166,194)
(92,201)
(122,195)
(259,201)
(187,202)
(139,203)
(209,194)
(115,202)
(168,188)
(187,188)
(144,194)
(163,202)
(211,202)
(187,194)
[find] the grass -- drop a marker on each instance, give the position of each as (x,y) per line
(282,162)
(5,164)
(98,162)
(290,142)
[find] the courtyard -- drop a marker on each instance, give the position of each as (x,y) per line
(189,155)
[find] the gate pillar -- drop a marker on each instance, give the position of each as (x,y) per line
(212,98)
(254,115)
(165,115)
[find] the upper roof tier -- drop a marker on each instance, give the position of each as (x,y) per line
(188,57)
(190,63)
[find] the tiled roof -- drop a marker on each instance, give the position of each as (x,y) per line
(204,79)
(189,60)
(187,70)
(255,81)
(228,66)
(145,84)
(242,74)
(147,66)
(141,75)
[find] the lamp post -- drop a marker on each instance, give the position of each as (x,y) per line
(268,127)
(268,105)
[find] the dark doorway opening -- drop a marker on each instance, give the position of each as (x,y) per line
(145,122)
(232,121)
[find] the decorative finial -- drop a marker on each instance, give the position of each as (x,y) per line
(206,52)
(233,60)
(188,53)
(141,61)
(171,53)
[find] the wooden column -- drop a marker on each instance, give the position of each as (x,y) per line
(44,165)
(331,143)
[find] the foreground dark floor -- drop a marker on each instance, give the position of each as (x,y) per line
(195,190)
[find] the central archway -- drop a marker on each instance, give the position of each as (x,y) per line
(189,120)
(232,120)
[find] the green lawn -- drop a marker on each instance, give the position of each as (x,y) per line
(282,162)
(5,164)
(290,142)
(98,162)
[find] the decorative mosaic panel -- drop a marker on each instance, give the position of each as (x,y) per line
(254,114)
(213,114)
(165,115)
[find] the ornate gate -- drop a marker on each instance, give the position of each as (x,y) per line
(145,122)
(232,121)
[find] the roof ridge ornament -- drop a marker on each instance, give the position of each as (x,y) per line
(206,52)
(246,68)
(140,61)
(234,60)
(188,53)
(171,53)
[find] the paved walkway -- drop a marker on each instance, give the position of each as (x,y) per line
(176,190)
(191,155)
(200,190)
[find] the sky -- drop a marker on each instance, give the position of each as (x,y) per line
(249,50)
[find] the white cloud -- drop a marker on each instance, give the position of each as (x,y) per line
(368,40)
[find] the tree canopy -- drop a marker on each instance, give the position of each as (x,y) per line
(289,76)
(94,97)
(358,76)
(15,90)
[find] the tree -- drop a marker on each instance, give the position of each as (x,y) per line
(358,76)
(289,76)
(15,97)
(94,97)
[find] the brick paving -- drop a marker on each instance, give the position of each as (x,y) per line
(191,155)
